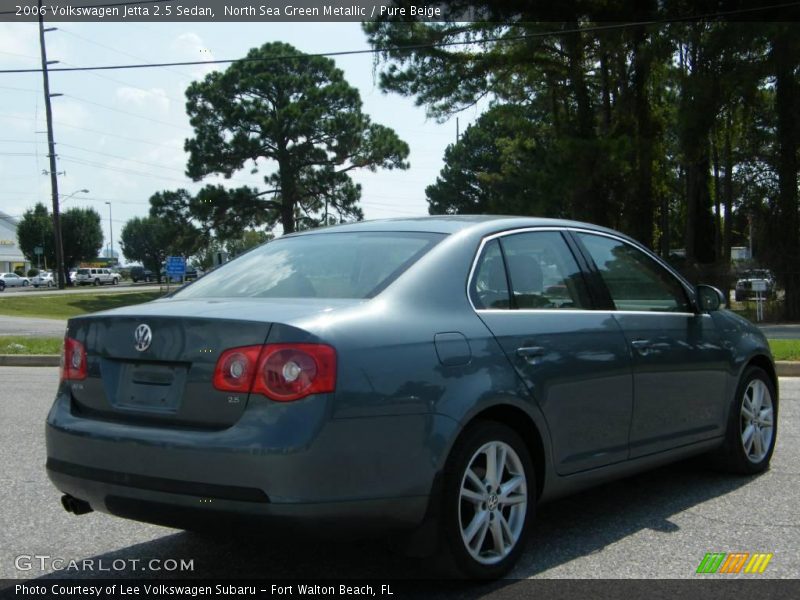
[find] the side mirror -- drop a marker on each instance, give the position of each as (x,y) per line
(709,298)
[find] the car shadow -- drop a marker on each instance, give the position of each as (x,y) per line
(566,529)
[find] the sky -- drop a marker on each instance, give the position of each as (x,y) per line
(120,134)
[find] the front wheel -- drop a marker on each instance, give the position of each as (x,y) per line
(752,425)
(489,497)
(25,284)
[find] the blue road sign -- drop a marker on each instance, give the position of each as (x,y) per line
(176,266)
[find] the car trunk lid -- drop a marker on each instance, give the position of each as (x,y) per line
(168,381)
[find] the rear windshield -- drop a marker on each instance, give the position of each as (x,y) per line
(330,265)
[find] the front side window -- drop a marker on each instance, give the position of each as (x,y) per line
(634,280)
(543,272)
(325,265)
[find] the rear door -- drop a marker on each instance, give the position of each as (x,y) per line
(529,289)
(679,361)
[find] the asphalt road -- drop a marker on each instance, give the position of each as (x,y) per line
(782,331)
(125,286)
(655,525)
(32,326)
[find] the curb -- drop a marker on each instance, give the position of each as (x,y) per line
(787,368)
(784,368)
(30,360)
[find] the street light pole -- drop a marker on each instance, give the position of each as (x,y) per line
(111,233)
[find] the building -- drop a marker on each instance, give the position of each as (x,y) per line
(10,255)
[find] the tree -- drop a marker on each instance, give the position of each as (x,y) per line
(35,228)
(214,212)
(488,169)
(298,114)
(785,58)
(147,240)
(81,235)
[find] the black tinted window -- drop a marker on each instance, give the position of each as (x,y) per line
(329,265)
(543,272)
(634,280)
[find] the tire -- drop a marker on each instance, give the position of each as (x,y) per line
(49,284)
(2,286)
(114,281)
(484,513)
(755,390)
(25,284)
(96,282)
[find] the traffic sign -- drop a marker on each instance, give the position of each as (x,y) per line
(176,266)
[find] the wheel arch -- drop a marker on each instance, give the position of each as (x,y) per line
(763,362)
(524,425)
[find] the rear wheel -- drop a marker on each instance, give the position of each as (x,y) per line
(752,425)
(96,282)
(489,497)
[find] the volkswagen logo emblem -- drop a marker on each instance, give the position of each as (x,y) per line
(142,337)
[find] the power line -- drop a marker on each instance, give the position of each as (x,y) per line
(515,38)
(125,112)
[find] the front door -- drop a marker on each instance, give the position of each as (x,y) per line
(678,358)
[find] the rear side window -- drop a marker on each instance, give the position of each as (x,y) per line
(326,265)
(83,271)
(489,287)
(543,272)
(635,281)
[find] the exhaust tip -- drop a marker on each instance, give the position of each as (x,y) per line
(74,505)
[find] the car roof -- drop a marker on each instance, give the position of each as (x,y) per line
(482,224)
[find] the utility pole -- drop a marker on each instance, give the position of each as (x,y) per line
(51,146)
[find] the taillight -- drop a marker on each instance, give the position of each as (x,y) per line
(282,372)
(235,369)
(73,360)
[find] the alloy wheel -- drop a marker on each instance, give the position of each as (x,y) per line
(757,421)
(493,502)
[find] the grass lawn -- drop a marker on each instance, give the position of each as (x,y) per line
(69,305)
(785,349)
(21,344)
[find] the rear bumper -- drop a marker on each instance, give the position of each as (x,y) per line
(279,465)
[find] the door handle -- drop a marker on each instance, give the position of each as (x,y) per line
(531,353)
(643,347)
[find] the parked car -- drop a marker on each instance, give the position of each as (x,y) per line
(14,280)
(96,277)
(192,273)
(745,283)
(447,373)
(141,274)
(73,274)
(44,278)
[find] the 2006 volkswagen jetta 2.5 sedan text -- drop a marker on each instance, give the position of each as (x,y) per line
(441,373)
